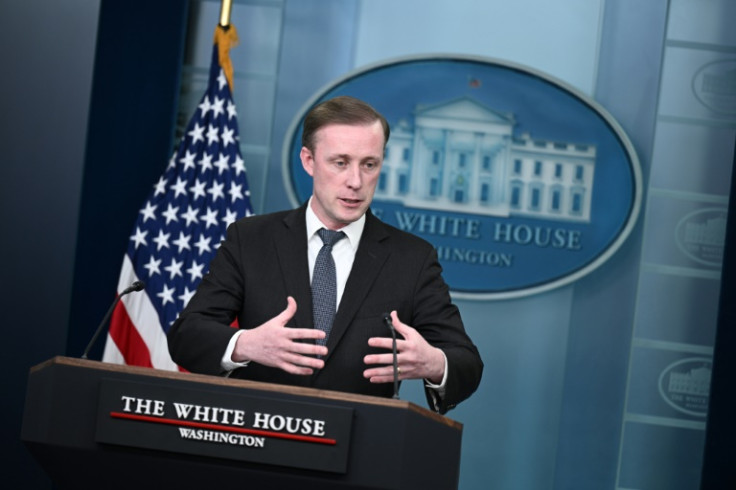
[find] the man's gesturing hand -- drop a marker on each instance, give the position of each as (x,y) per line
(274,345)
(417,359)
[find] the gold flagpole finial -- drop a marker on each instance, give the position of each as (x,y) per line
(225,10)
(226,37)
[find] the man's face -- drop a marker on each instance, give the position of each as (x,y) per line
(345,166)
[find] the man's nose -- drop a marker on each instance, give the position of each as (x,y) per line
(354,177)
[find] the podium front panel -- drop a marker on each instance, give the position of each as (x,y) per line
(86,434)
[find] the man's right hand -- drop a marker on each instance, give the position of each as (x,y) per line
(274,345)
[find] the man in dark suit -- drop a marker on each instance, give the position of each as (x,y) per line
(268,275)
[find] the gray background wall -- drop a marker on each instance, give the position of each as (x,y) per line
(557,407)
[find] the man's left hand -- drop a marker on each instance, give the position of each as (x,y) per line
(417,359)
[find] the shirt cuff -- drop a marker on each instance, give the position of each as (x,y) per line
(438,391)
(227,362)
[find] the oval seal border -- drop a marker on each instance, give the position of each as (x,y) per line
(711,86)
(682,407)
(720,233)
(576,271)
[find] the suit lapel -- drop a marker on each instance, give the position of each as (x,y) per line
(291,247)
(369,259)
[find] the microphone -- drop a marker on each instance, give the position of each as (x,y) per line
(390,325)
(136,286)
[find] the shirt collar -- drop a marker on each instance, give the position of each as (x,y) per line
(353,230)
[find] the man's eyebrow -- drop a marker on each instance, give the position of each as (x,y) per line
(346,156)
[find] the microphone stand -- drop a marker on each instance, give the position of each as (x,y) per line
(390,325)
(136,286)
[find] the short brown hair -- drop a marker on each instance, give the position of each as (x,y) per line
(340,110)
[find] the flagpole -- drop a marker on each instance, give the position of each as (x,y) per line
(225,10)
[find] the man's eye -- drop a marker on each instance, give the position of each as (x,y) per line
(339,163)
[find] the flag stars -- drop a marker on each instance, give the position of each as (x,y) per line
(197,133)
(221,80)
(183,242)
(188,160)
(210,218)
(195,271)
(217,107)
(231,112)
(167,295)
(160,186)
(162,240)
(212,136)
(203,245)
(186,296)
(153,266)
(139,238)
(170,213)
(238,165)
(198,190)
(204,106)
(206,162)
(174,269)
(148,211)
(190,216)
(227,137)
(222,164)
(230,216)
(180,187)
(236,192)
(216,191)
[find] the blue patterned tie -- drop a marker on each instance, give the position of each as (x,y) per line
(324,283)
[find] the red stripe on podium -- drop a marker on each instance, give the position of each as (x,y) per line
(237,430)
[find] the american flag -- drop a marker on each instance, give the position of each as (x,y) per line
(203,189)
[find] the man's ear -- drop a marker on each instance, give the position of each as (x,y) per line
(307,159)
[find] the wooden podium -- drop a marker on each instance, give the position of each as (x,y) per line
(97,425)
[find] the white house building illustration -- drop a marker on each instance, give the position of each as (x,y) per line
(463,156)
(711,232)
(694,382)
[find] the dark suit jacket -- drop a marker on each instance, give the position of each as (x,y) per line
(264,259)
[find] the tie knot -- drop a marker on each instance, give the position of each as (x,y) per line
(330,237)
